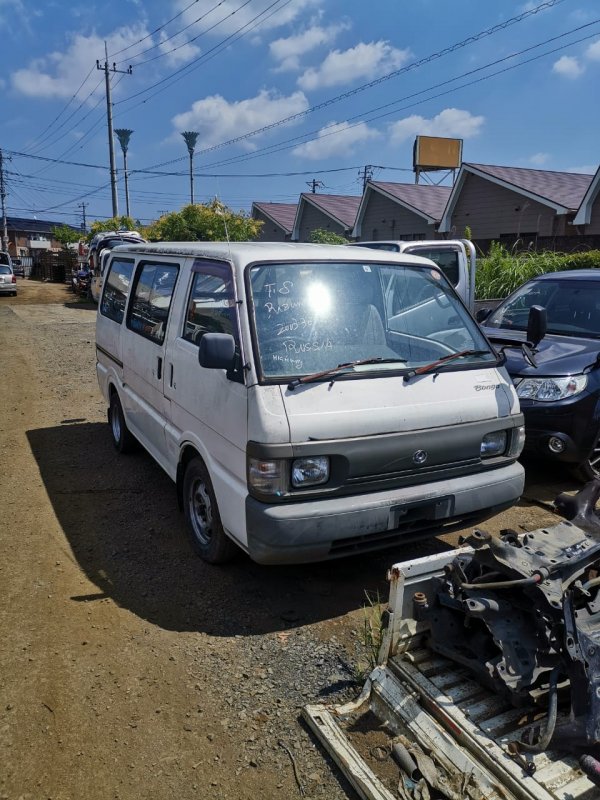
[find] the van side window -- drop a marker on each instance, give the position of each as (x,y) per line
(115,290)
(211,307)
(151,301)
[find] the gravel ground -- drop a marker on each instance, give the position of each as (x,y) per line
(129,667)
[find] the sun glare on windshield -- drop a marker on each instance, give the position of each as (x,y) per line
(318,298)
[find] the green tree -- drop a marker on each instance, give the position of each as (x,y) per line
(323,236)
(66,235)
(210,222)
(122,223)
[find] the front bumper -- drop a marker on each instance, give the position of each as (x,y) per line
(317,530)
(576,422)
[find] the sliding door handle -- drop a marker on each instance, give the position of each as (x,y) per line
(159,369)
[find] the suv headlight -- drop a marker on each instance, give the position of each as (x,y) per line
(493,444)
(549,389)
(310,471)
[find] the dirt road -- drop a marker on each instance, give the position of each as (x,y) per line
(128,667)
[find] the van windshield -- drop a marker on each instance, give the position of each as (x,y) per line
(312,316)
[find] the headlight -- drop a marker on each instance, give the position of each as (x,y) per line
(310,471)
(493,444)
(267,477)
(549,389)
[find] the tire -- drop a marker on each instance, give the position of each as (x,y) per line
(590,468)
(204,526)
(123,440)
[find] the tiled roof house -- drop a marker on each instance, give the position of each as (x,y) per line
(331,212)
(510,203)
(399,211)
(278,219)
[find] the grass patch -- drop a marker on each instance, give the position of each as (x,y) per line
(502,271)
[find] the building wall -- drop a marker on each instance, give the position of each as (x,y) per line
(385,219)
(270,231)
(594,227)
(312,218)
(493,212)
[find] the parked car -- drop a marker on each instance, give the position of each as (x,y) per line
(8,281)
(561,397)
(309,401)
(99,248)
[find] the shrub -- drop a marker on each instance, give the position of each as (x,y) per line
(501,272)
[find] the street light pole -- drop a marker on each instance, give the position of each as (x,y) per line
(190,140)
(123,135)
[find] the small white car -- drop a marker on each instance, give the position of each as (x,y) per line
(8,282)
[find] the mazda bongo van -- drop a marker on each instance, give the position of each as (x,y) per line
(308,401)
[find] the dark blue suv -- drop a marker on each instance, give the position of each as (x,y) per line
(561,397)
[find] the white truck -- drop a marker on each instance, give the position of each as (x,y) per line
(455,257)
(460,644)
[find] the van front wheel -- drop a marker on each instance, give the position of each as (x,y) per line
(208,538)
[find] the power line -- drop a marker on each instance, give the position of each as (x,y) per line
(286,144)
(352,92)
(156,30)
(179,32)
(188,68)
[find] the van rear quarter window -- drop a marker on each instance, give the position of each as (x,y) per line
(116,289)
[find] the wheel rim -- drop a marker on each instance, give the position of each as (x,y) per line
(594,458)
(201,515)
(115,423)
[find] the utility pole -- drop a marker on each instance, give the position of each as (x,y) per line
(366,174)
(83,207)
(111,145)
(3,202)
(314,185)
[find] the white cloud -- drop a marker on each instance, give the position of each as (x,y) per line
(288,51)
(593,51)
(230,16)
(366,60)
(217,120)
(452,122)
(583,169)
(568,67)
(182,50)
(336,139)
(59,74)
(9,9)
(539,159)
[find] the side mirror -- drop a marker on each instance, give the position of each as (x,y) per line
(483,314)
(537,325)
(217,351)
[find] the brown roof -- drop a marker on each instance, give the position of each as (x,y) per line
(341,207)
(429,200)
(566,189)
(283,214)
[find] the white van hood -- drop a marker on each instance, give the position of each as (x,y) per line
(370,406)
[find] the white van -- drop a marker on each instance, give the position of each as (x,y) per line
(309,401)
(455,257)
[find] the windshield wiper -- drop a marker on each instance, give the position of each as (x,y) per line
(315,376)
(441,361)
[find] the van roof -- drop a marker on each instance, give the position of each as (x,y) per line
(241,253)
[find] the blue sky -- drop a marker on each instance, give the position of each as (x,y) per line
(230,69)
